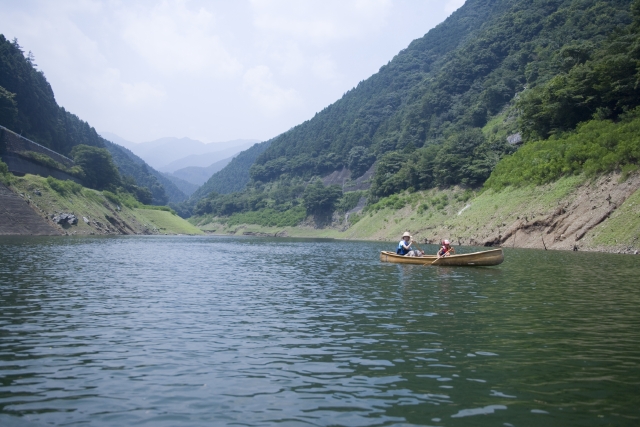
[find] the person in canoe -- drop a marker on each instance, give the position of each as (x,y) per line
(446,249)
(404,247)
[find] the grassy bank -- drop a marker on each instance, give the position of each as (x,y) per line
(105,212)
(477,218)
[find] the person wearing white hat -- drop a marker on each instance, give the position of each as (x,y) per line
(404,247)
(446,249)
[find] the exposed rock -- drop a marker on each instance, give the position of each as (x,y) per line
(515,139)
(65,218)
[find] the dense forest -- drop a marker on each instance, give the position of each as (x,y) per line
(28,107)
(439,113)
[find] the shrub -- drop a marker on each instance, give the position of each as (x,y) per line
(97,164)
(354,218)
(319,199)
(112,197)
(64,187)
(5,175)
(597,146)
(349,201)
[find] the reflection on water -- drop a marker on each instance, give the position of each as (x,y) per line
(243,331)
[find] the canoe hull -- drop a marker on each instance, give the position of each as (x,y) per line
(492,257)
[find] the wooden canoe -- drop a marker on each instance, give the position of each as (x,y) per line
(491,257)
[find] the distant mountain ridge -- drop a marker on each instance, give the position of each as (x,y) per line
(205,160)
(130,164)
(198,175)
(234,177)
(186,187)
(170,154)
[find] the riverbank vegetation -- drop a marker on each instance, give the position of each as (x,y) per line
(98,212)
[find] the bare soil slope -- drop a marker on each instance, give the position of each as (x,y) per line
(18,218)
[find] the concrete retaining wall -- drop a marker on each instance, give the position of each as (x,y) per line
(19,166)
(14,143)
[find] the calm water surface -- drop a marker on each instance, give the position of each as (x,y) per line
(182,331)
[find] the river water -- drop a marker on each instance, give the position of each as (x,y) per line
(199,331)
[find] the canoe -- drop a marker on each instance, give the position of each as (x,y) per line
(492,257)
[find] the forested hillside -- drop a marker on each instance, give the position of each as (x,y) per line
(233,177)
(439,113)
(28,107)
(438,93)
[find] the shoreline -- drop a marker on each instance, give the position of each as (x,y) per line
(609,250)
(573,213)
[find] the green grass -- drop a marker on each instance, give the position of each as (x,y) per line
(168,223)
(57,196)
(594,148)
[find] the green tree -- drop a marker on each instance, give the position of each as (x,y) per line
(359,161)
(8,108)
(100,171)
(320,200)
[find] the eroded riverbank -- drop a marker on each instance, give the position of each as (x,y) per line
(572,213)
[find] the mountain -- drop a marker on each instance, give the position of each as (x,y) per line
(170,154)
(439,113)
(184,186)
(164,189)
(28,107)
(199,175)
(116,139)
(233,177)
(205,160)
(438,94)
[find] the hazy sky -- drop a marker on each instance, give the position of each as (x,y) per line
(211,70)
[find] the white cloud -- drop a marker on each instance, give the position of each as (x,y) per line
(320,22)
(109,86)
(74,62)
(453,5)
(173,38)
(265,93)
(324,68)
(217,69)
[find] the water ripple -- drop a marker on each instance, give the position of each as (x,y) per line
(168,331)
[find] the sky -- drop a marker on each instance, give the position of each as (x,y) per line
(214,70)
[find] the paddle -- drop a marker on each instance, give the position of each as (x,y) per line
(436,260)
(419,248)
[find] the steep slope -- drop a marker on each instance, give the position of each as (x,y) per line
(234,177)
(34,206)
(199,175)
(169,154)
(185,186)
(437,91)
(28,107)
(452,110)
(18,218)
(163,189)
(218,153)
